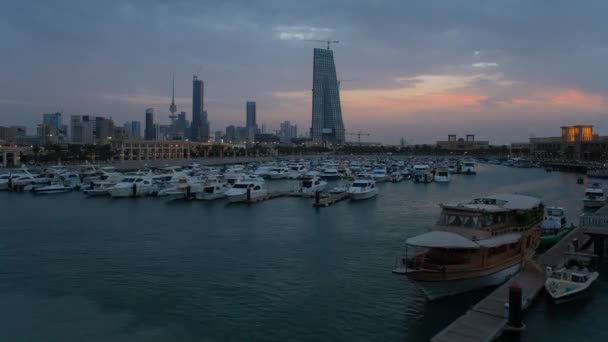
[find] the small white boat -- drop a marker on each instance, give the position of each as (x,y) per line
(379,175)
(278,173)
(57,188)
(312,185)
(246,190)
(396,177)
(132,186)
(362,189)
(330,174)
(594,196)
(442,175)
(296,171)
(423,174)
(468,167)
(212,191)
(565,284)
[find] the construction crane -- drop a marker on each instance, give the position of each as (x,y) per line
(358,134)
(324,41)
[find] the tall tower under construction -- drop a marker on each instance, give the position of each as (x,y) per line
(327,124)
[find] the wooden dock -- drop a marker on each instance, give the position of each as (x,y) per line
(487,319)
(326,201)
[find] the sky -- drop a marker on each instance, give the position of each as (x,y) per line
(503,70)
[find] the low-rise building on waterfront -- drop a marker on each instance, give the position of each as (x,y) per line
(462,144)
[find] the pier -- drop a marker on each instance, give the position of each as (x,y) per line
(326,201)
(487,319)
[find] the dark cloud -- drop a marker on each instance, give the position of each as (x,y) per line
(65,54)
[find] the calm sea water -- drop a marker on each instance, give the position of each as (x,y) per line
(95,269)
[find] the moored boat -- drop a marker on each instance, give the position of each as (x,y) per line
(554,227)
(594,196)
(475,244)
(567,283)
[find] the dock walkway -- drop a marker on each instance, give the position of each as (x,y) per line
(487,319)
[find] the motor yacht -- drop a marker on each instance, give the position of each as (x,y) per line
(212,191)
(56,188)
(396,177)
(477,243)
(279,172)
(312,185)
(246,190)
(186,188)
(468,167)
(330,174)
(380,175)
(594,196)
(423,174)
(554,227)
(442,175)
(362,189)
(296,171)
(132,186)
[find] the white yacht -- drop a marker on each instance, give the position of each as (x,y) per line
(379,175)
(468,167)
(396,177)
(56,188)
(263,170)
(132,186)
(423,174)
(296,171)
(362,189)
(186,188)
(279,172)
(312,185)
(565,284)
(330,174)
(212,191)
(594,196)
(442,175)
(245,190)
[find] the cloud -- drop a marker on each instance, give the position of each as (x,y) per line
(302,32)
(484,65)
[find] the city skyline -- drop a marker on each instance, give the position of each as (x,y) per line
(499,69)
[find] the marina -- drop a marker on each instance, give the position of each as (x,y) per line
(280,234)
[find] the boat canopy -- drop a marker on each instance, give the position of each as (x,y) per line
(441,239)
(498,202)
(499,240)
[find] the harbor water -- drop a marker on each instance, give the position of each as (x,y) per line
(74,268)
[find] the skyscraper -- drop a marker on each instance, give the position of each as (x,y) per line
(135,130)
(197,109)
(327,125)
(251,123)
(150,133)
(205,128)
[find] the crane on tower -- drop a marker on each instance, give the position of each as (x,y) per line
(324,41)
(359,134)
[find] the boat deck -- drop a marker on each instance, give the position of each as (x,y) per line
(487,319)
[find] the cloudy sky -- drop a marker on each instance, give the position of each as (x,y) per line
(504,70)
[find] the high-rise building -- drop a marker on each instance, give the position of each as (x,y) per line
(172,106)
(327,124)
(135,131)
(251,123)
(104,130)
(205,128)
(55,126)
(288,132)
(230,135)
(150,132)
(83,129)
(52,119)
(218,137)
(197,109)
(180,123)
